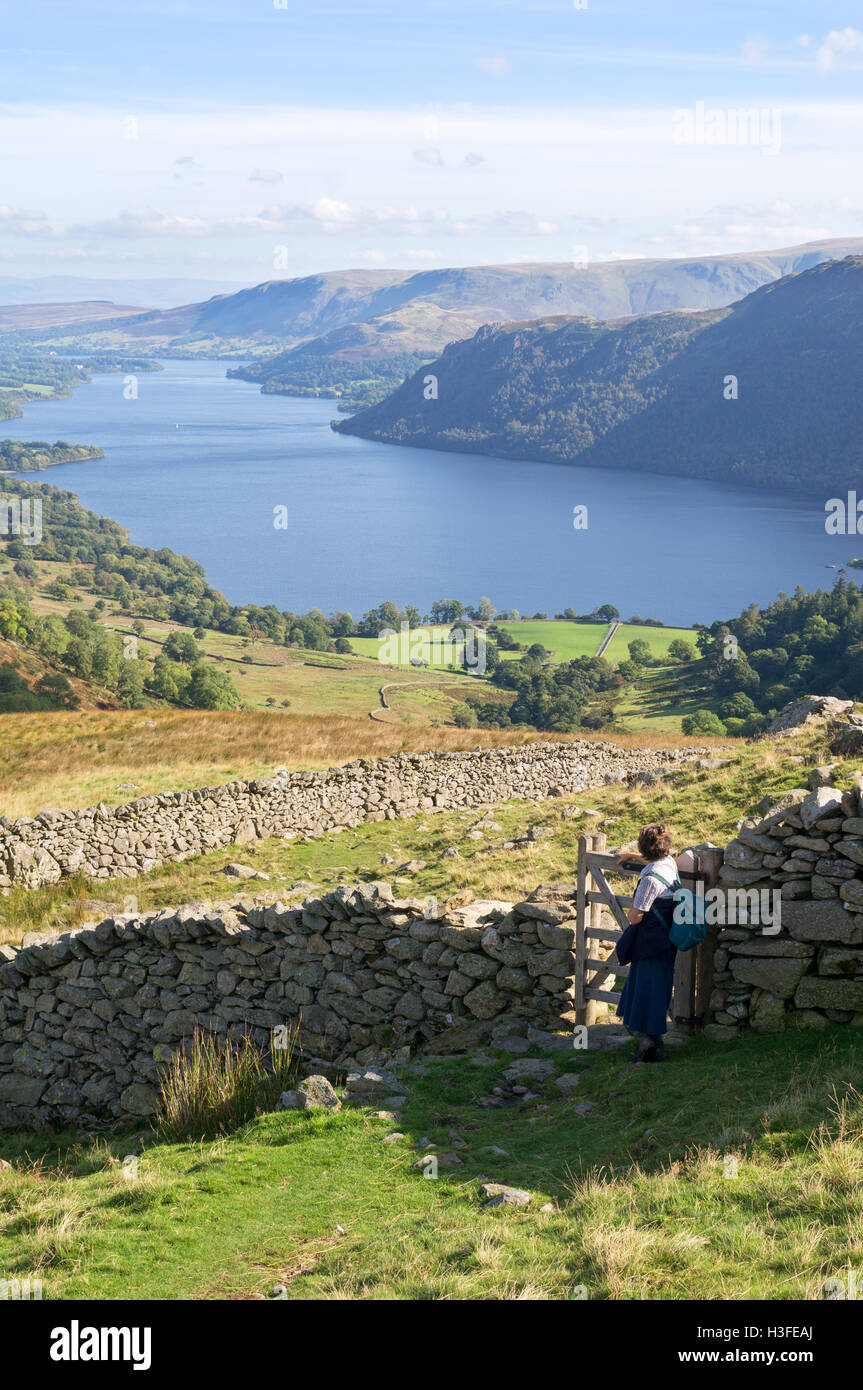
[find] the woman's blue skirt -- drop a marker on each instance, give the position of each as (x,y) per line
(647,994)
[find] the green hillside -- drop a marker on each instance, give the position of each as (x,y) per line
(765,393)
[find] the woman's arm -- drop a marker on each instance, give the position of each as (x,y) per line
(634,916)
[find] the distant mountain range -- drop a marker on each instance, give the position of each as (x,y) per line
(153,293)
(766,393)
(16,318)
(367,315)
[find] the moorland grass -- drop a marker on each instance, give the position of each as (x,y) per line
(78,758)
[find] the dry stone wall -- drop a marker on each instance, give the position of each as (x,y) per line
(89,1019)
(123,841)
(808,845)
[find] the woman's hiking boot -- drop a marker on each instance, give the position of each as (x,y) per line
(659,1053)
(646,1048)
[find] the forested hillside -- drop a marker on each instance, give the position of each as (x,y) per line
(766,393)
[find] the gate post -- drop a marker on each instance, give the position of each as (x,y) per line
(709,863)
(594,921)
(693,970)
(580,925)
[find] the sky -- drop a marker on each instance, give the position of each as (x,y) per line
(247,140)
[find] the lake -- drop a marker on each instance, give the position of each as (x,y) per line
(200,464)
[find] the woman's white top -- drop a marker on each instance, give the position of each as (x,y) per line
(649,888)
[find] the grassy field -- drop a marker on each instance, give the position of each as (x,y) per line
(327,684)
(567,641)
(662,697)
(698,806)
(269,676)
(735,1172)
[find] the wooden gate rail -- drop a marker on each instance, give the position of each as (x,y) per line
(693,969)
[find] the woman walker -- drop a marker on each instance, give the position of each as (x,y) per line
(646,945)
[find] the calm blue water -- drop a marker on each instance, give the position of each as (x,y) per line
(198,463)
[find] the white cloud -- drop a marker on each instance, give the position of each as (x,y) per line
(549,178)
(498,66)
(754,51)
(15,222)
(331,212)
(840,46)
(324,214)
(265,176)
(432,157)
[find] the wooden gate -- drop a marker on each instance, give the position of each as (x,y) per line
(596,977)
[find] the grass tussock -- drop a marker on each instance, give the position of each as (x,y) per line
(214,1087)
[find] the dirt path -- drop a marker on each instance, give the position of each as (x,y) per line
(403,685)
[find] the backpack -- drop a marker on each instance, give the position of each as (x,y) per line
(688,926)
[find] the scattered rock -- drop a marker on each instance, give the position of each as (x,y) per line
(373,1081)
(243,871)
(497,1195)
(316,1093)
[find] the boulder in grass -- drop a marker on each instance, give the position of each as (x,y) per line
(316,1093)
(373,1082)
(810,709)
(499,1195)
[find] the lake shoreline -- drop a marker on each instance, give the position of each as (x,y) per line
(368,524)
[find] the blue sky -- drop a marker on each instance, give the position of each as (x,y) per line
(239,139)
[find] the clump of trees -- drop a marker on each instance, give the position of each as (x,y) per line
(551,697)
(84,648)
(51,691)
(800,644)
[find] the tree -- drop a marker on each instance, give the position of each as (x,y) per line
(446,610)
(168,680)
(639,652)
(26,570)
(703,721)
(181,646)
(465,717)
(343,646)
(56,690)
(679,650)
(130,685)
(210,688)
(738,706)
(79,658)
